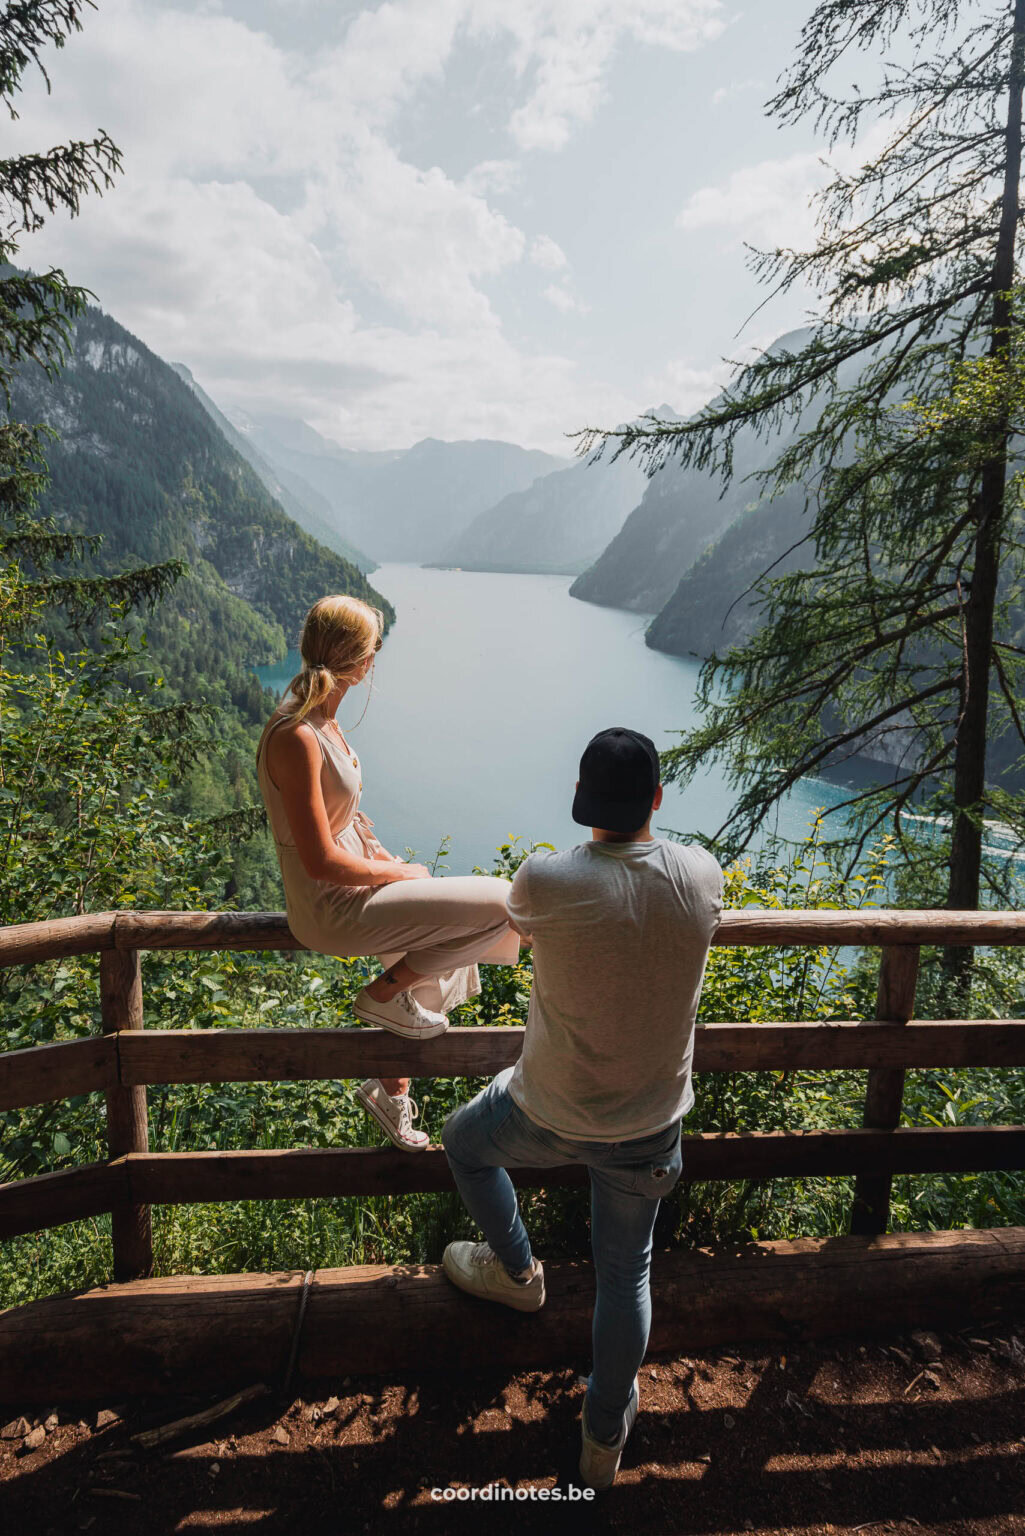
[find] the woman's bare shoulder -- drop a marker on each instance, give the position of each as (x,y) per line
(291,748)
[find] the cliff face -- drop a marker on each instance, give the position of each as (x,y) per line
(560,524)
(682,513)
(679,515)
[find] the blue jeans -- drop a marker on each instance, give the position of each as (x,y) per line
(490,1134)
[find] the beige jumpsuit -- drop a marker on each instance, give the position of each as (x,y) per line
(442,927)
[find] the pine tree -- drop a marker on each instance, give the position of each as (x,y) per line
(897,419)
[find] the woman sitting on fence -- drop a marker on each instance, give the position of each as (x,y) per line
(344,893)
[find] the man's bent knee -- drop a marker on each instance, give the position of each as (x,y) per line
(450,1130)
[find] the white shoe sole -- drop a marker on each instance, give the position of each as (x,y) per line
(366,1012)
(504,1298)
(389,1130)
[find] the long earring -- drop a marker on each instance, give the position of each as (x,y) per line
(370,689)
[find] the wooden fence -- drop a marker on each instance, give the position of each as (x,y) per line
(123,1059)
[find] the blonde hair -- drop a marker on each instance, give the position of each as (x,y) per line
(338,635)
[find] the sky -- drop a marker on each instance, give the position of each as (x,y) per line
(446,218)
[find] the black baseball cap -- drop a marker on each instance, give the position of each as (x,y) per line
(619,774)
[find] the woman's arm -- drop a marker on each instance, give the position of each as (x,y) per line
(293,762)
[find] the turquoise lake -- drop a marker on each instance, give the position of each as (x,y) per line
(486,691)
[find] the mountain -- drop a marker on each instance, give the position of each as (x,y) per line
(711,608)
(140,461)
(682,512)
(560,524)
(707,605)
(303,504)
(403,504)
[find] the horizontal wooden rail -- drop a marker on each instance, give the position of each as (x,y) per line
(187,1177)
(131,1058)
(211,1333)
(124,1061)
(42,1073)
(50,1199)
(268,1055)
(178,1178)
(27,943)
(23,943)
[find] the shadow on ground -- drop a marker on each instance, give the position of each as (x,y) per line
(872,1437)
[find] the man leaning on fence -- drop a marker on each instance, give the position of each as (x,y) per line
(621,928)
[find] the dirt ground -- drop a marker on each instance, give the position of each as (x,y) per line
(896,1435)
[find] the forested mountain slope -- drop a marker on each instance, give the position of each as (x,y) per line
(139,461)
(405,504)
(303,504)
(560,524)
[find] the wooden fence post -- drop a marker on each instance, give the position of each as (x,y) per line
(884,1093)
(127,1126)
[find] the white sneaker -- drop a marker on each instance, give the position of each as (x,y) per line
(599,1463)
(474,1268)
(403,1016)
(394,1114)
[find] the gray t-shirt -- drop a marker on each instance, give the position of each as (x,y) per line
(621,934)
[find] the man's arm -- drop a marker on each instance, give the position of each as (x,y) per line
(518,905)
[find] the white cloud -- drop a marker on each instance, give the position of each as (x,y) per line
(548,254)
(269,233)
(563,297)
(772,202)
(569,45)
(493,176)
(422,240)
(735,88)
(768,202)
(388,51)
(685,387)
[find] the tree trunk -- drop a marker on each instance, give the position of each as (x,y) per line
(970,754)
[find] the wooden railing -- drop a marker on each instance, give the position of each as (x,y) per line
(124,1059)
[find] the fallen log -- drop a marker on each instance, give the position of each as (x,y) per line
(195,1333)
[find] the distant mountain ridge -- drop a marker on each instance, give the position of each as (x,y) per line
(559,525)
(399,504)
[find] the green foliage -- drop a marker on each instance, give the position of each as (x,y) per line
(140,477)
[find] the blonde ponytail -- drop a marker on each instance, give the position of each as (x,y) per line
(310,688)
(339,635)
